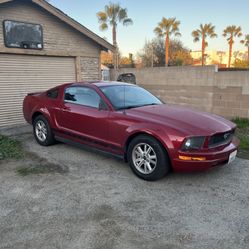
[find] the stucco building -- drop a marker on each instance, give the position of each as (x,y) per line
(40,47)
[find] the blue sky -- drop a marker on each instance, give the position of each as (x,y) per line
(146,15)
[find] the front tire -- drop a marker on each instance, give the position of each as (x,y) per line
(147,158)
(42,131)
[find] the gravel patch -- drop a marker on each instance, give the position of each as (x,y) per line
(97,202)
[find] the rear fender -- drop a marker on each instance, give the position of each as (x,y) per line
(45,112)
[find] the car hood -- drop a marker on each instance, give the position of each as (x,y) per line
(186,120)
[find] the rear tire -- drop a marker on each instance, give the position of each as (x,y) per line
(147,158)
(42,131)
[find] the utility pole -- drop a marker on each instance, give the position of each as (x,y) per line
(152,56)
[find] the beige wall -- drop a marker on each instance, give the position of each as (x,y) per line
(231,94)
(59,38)
(203,88)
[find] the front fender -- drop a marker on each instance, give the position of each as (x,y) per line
(153,130)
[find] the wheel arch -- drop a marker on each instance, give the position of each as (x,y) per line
(36,114)
(45,113)
(138,133)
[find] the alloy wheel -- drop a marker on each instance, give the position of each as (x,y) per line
(41,131)
(144,158)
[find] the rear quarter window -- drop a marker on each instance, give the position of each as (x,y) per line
(53,94)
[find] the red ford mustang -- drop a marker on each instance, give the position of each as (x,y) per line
(128,121)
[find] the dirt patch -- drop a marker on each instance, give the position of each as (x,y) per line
(12,149)
(33,164)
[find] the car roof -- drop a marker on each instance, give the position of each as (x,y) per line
(99,83)
(96,83)
(111,83)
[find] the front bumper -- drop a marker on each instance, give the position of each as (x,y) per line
(213,157)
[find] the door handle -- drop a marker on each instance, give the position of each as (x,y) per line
(64,109)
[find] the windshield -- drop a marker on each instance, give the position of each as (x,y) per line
(128,96)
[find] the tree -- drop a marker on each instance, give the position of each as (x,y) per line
(202,33)
(237,54)
(246,43)
(153,53)
(112,15)
(241,63)
(166,28)
(127,61)
(106,59)
(231,32)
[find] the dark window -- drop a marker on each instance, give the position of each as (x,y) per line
(22,35)
(82,96)
(127,77)
(53,94)
(129,96)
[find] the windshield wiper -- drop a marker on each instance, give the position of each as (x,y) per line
(128,107)
(134,106)
(150,104)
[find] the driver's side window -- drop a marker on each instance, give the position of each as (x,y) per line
(82,96)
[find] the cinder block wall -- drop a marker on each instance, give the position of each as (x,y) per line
(231,94)
(203,88)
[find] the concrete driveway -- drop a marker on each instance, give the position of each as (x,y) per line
(98,203)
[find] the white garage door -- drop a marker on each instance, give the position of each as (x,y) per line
(21,74)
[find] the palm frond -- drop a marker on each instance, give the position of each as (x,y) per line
(213,35)
(102,17)
(196,35)
(230,32)
(168,26)
(204,31)
(122,14)
(245,41)
(103,26)
(178,34)
(127,21)
(158,31)
(113,14)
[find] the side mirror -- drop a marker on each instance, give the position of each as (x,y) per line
(102,106)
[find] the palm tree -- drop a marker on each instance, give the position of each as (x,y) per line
(167,27)
(231,32)
(246,43)
(204,31)
(112,15)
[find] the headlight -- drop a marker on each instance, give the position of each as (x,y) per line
(193,143)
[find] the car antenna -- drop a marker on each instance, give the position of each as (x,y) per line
(124,101)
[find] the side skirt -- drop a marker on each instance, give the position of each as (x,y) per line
(88,147)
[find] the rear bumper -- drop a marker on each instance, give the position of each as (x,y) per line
(213,158)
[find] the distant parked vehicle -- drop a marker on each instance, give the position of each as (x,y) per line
(127,77)
(129,121)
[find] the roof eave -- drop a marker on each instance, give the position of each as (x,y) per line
(65,18)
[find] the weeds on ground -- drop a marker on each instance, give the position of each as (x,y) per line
(40,168)
(10,148)
(241,122)
(242,133)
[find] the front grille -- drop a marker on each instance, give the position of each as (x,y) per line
(220,139)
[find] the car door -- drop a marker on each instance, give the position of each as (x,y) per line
(79,115)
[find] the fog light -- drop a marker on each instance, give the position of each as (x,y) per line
(189,158)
